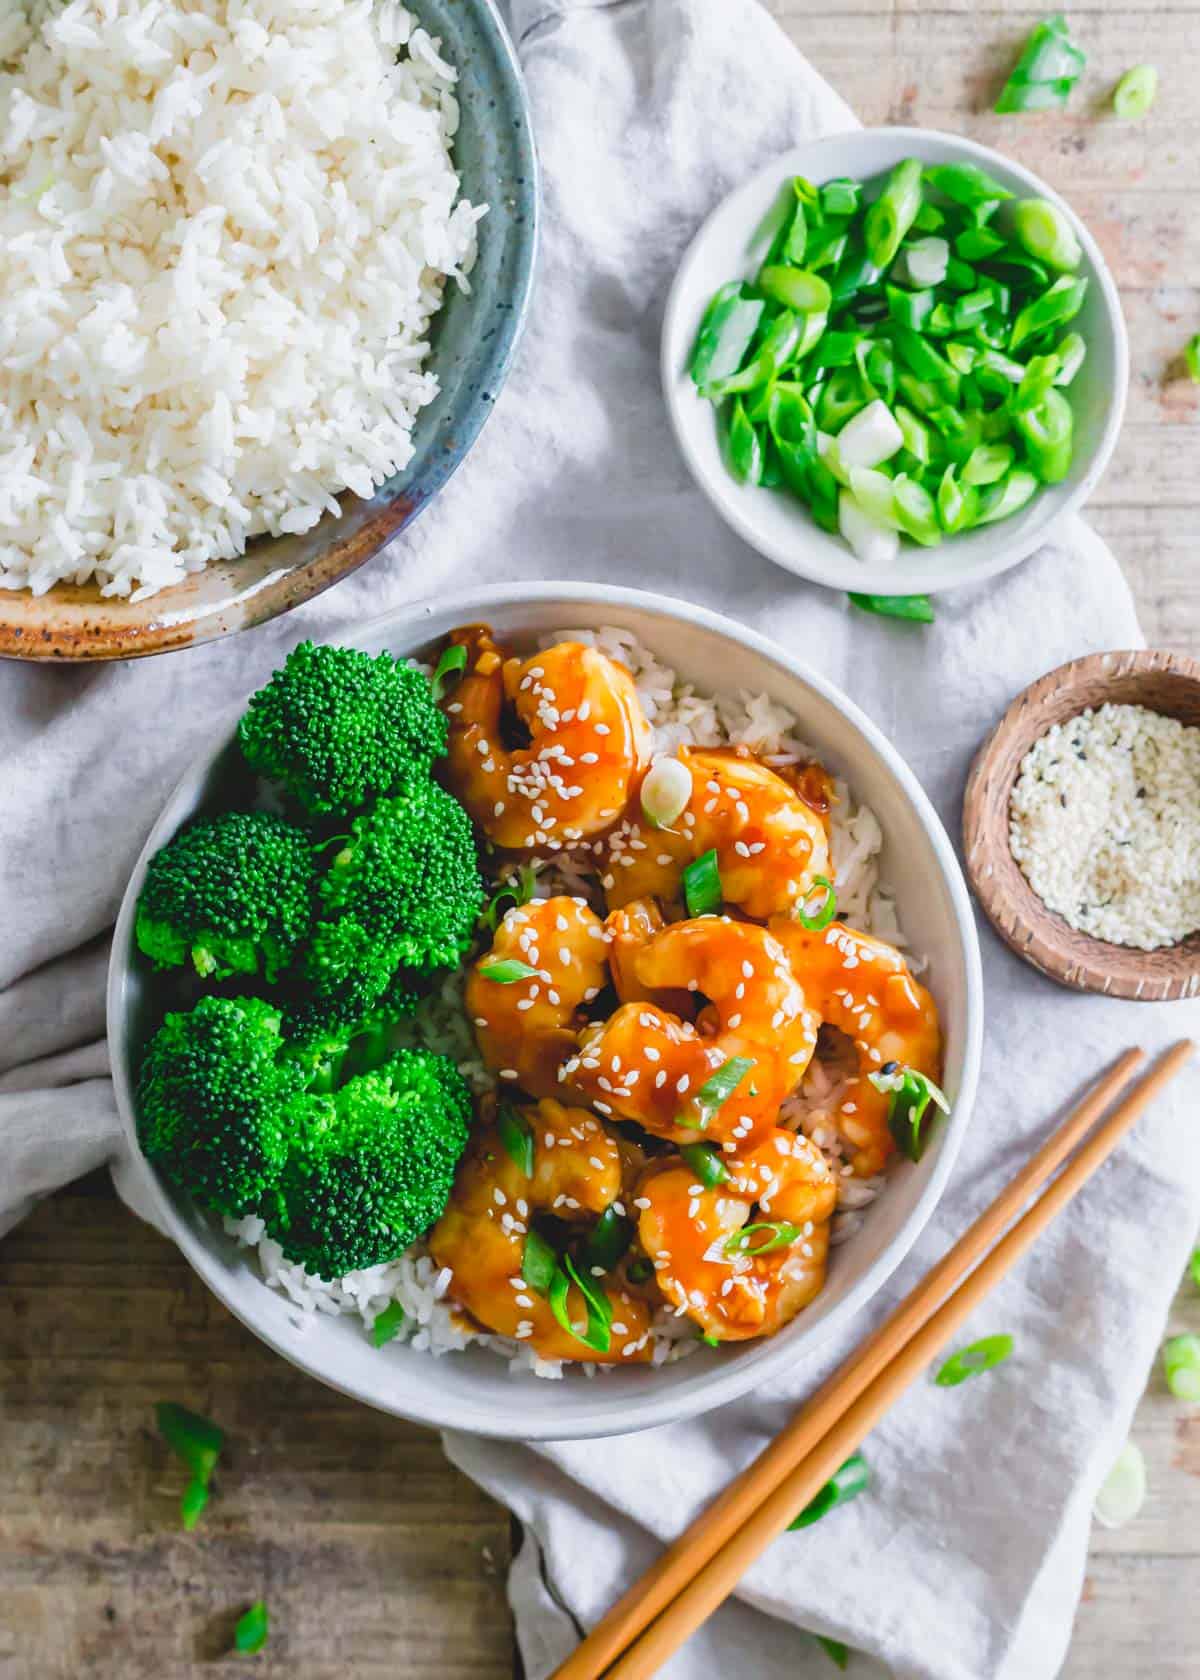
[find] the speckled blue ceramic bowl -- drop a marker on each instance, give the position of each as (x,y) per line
(473,341)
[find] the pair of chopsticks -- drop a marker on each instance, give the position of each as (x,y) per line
(704,1565)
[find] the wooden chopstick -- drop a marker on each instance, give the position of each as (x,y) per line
(780,1501)
(666,1578)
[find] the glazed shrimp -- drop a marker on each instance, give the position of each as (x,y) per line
(630,929)
(480,1237)
(588,741)
(769,839)
(691,1234)
(526,1028)
(645,1064)
(865,989)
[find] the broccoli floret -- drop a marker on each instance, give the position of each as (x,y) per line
(404,892)
(349,1030)
(219,1102)
(232,896)
(337,727)
(374,1167)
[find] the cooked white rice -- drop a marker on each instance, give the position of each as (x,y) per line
(677,715)
(224,231)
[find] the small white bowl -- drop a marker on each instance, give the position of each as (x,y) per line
(474,1390)
(733,242)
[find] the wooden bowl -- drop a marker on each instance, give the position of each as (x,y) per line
(1163,682)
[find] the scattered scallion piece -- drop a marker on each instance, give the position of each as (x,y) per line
(719,1087)
(198,1442)
(640,1270)
(252,1631)
(917,608)
(970,1361)
(1181,1365)
(608,1240)
(892,214)
(838,1654)
(1191,357)
(1123,1491)
(816,920)
(510,896)
(388,1324)
(1048,68)
(707,1165)
(763,1236)
(1046,234)
(1136,92)
(516,1135)
(666,789)
(725,334)
(845,1484)
(910,1096)
(1194,1267)
(597,1334)
(539,1263)
(507,971)
(702,885)
(453,660)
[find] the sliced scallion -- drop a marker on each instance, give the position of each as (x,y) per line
(1046,233)
(870,438)
(916,608)
(665,791)
(838,1654)
(539,1262)
(891,215)
(1181,1366)
(1191,357)
(763,1236)
(507,971)
(387,1324)
(640,1270)
(196,1440)
(703,1160)
(725,333)
(607,1240)
(702,885)
(1136,92)
(252,1631)
(597,1334)
(1123,1491)
(453,660)
(970,1361)
(516,1135)
(845,1484)
(818,919)
(511,896)
(719,1087)
(910,1095)
(1048,68)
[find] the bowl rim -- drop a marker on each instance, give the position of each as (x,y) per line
(804,158)
(76,640)
(724,1382)
(1030,928)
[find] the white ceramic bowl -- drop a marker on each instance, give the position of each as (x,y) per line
(474,1390)
(733,242)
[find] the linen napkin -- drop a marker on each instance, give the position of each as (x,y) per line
(965,1560)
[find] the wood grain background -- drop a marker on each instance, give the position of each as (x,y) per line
(376,1558)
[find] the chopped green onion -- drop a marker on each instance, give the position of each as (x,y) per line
(1048,431)
(1191,357)
(1136,92)
(915,434)
(387,1325)
(704,1161)
(965,183)
(725,333)
(702,891)
(507,971)
(779,1234)
(193,1501)
(909,309)
(873,540)
(816,920)
(1048,68)
(1040,374)
(1181,1364)
(838,1654)
(891,215)
(510,896)
(871,437)
(796,289)
(917,608)
(911,1094)
(516,1135)
(987,462)
(840,197)
(845,1484)
(1059,304)
(1194,1267)
(641,1270)
(1071,352)
(1123,1491)
(453,658)
(719,1087)
(539,1263)
(1046,233)
(927,261)
(970,1361)
(957,505)
(198,1442)
(923,359)
(607,1240)
(977,244)
(779,345)
(666,789)
(252,1630)
(597,1335)
(745,446)
(1006,497)
(916,511)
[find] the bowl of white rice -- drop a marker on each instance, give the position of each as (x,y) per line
(897,876)
(263,268)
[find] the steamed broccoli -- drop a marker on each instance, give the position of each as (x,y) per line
(219,1102)
(405,891)
(374,1166)
(349,1030)
(337,727)
(232,896)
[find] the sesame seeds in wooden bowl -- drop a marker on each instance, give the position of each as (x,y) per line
(1164,683)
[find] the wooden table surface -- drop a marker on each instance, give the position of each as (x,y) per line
(376,1558)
